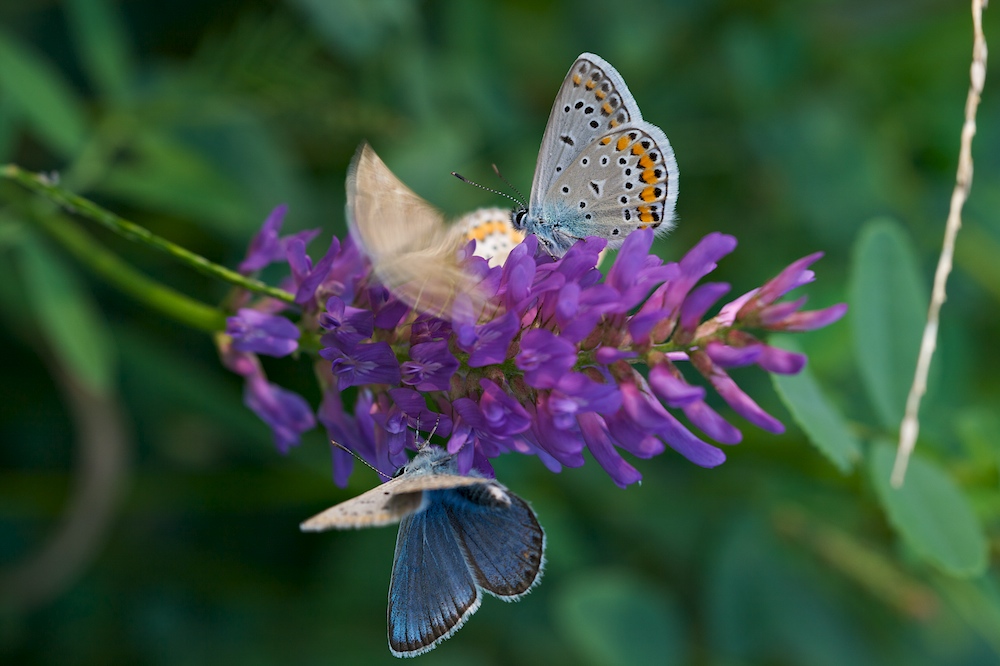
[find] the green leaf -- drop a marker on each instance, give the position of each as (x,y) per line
(358,28)
(42,95)
(73,327)
(822,422)
(102,45)
(888,307)
(930,513)
(169,176)
(616,618)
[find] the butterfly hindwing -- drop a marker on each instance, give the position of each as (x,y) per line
(501,538)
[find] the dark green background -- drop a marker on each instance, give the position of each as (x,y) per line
(794,124)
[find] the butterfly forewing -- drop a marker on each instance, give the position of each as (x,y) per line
(386,504)
(593,99)
(432,591)
(413,253)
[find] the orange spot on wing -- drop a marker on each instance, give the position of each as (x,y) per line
(622,143)
(637,149)
(614,123)
(591,84)
(600,94)
(645,161)
(606,107)
(649,175)
(576,79)
(606,140)
(648,194)
(645,215)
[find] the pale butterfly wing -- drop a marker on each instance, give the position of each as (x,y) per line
(592,100)
(413,253)
(602,170)
(387,503)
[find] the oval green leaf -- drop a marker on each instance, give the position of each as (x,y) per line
(888,306)
(821,421)
(930,513)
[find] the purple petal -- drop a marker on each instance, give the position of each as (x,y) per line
(493,340)
(808,321)
(780,361)
(544,358)
(254,331)
(367,363)
(734,396)
(672,389)
(431,368)
(595,435)
(286,413)
(725,356)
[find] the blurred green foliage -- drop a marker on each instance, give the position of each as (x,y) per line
(828,125)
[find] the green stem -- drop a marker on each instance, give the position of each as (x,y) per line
(41,185)
(130,281)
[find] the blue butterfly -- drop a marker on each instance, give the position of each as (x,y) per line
(602,170)
(458,536)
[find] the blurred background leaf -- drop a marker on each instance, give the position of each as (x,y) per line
(797,127)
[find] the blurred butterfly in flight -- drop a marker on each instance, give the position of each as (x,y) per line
(458,536)
(602,171)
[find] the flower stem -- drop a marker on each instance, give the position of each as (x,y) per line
(40,184)
(110,266)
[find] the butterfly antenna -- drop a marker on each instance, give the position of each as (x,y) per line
(360,459)
(488,189)
(520,197)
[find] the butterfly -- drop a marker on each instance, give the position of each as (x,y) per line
(458,536)
(602,170)
(413,253)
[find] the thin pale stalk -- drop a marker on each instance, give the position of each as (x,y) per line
(910,426)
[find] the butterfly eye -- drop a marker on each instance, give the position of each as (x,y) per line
(399,472)
(517,218)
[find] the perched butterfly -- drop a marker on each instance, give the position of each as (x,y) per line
(413,253)
(458,536)
(602,170)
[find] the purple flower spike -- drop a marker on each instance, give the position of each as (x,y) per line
(431,368)
(545,358)
(367,363)
(546,366)
(254,331)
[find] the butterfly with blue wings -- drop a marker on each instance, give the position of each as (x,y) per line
(458,536)
(602,171)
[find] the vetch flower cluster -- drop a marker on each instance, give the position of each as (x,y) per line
(566,360)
